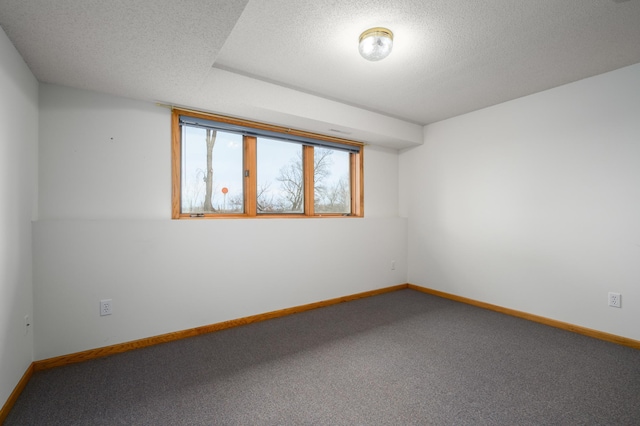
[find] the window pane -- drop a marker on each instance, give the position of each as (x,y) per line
(280,177)
(332,188)
(217,188)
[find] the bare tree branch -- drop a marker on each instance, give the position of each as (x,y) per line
(211,141)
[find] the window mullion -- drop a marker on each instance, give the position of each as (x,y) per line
(250,176)
(176,166)
(309,184)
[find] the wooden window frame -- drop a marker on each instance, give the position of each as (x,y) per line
(250,164)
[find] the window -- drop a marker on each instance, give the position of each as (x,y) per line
(224,167)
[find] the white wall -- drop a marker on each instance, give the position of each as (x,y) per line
(245,97)
(380,182)
(102,157)
(104,232)
(534,204)
(18,193)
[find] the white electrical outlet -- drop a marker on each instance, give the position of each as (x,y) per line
(27,324)
(393,265)
(105,307)
(615,300)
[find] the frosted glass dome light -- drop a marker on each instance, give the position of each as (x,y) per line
(376,43)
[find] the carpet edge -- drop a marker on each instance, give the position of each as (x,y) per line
(601,335)
(117,348)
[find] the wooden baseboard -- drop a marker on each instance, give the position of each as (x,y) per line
(169,337)
(8,405)
(542,320)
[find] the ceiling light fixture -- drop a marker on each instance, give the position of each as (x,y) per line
(376,43)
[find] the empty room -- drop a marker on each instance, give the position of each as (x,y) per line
(248,212)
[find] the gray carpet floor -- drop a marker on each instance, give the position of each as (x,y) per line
(400,358)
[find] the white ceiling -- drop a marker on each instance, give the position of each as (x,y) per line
(450,56)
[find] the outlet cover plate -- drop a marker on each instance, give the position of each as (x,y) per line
(106,307)
(615,300)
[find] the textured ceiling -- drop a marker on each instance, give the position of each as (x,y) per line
(450,57)
(142,49)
